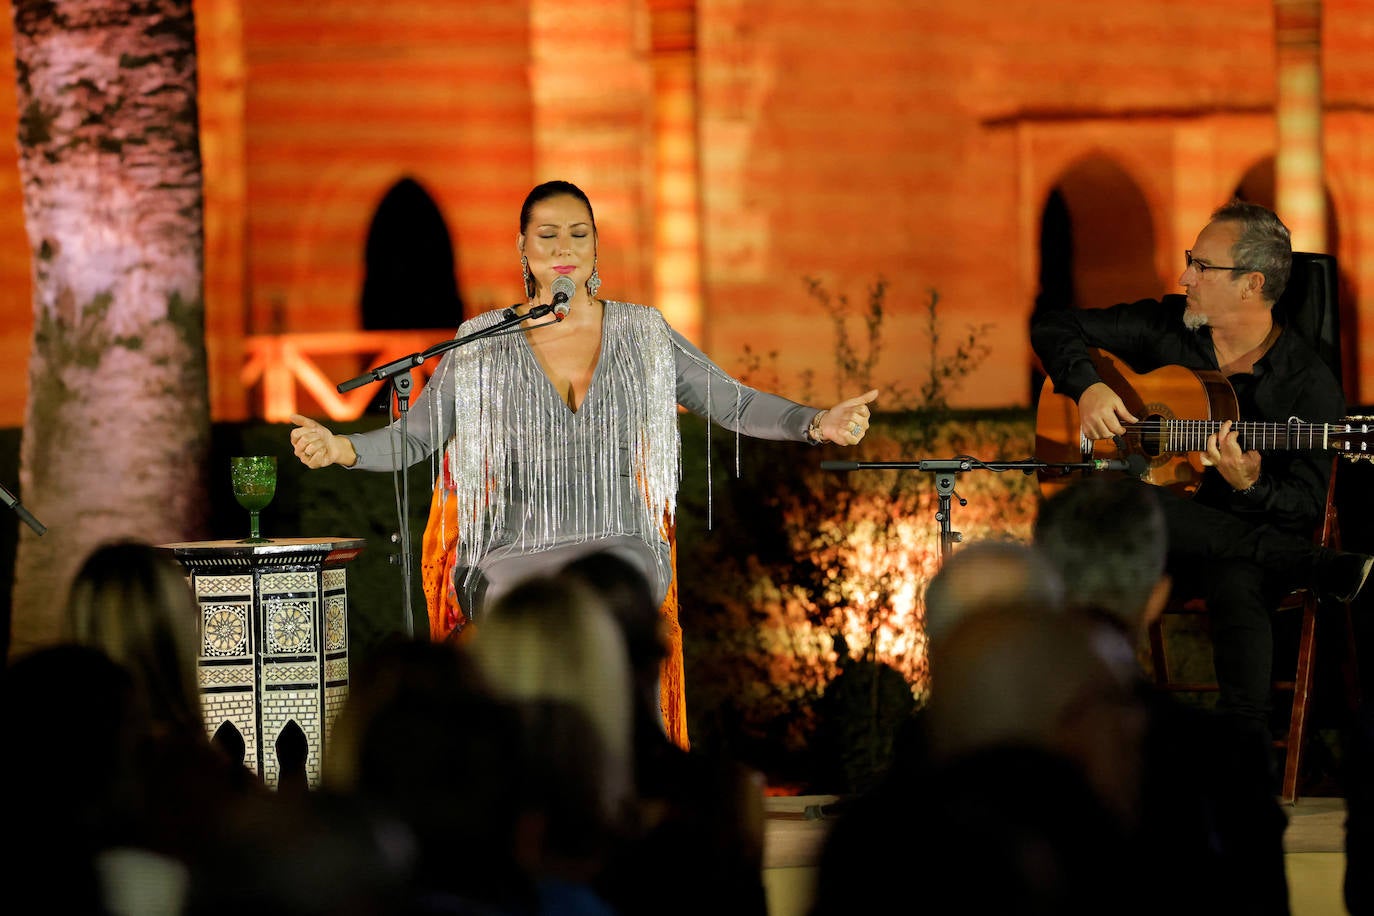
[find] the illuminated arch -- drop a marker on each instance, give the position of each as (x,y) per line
(1096,242)
(328,240)
(1110,231)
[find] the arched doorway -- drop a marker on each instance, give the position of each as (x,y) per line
(409,279)
(1097,243)
(1257,186)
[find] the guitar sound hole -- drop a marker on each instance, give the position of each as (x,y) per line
(1152,437)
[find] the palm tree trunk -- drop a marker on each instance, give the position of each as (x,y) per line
(116,431)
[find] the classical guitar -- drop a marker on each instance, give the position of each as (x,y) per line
(1177,409)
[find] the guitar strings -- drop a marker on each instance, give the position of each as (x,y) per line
(1191,435)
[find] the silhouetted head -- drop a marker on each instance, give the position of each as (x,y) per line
(132,600)
(989,575)
(1025,677)
(1106,538)
(630,599)
(552,638)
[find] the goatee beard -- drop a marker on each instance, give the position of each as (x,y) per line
(1194,320)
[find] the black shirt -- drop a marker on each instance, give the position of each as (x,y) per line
(1290,380)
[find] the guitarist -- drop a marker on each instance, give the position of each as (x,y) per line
(1244,538)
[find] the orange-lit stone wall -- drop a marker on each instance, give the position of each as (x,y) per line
(16,283)
(917,140)
(920,141)
(343,98)
(219,50)
(591,81)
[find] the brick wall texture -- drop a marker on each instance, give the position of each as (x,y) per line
(914,140)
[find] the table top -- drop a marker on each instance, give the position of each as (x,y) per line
(329,550)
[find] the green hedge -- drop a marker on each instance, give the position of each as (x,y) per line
(750,692)
(762,589)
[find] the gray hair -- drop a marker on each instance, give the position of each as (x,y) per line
(1107,539)
(1264,244)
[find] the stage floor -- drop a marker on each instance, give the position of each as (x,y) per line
(1314,842)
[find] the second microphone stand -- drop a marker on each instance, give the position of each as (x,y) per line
(946,472)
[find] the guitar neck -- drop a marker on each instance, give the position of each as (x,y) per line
(1191,435)
(1170,445)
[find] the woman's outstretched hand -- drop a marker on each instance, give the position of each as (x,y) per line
(317,447)
(847,421)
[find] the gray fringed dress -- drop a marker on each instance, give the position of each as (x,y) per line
(538,483)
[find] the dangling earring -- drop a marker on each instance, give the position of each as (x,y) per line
(528,277)
(593,282)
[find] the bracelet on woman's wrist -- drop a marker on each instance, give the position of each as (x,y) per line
(813,431)
(1248,490)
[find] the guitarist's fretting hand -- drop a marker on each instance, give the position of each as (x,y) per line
(1239,468)
(1101,412)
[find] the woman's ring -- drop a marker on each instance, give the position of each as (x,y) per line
(854,429)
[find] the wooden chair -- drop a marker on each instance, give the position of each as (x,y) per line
(1299,690)
(1310,307)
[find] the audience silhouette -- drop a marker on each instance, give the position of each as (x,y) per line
(689,806)
(1013,798)
(525,771)
(1042,732)
(421,739)
(1208,828)
(75,719)
(551,646)
(131,602)
(990,574)
(314,854)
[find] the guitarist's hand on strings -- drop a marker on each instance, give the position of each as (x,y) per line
(1239,468)
(1101,412)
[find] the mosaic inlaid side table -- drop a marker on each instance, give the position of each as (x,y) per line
(273,665)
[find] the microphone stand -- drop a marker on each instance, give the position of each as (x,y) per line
(947,469)
(25,515)
(398,371)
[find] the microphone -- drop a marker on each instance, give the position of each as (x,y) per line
(563,290)
(1134,464)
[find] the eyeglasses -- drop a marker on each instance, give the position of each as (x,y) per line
(1190,261)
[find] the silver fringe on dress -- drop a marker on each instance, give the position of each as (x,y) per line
(531,473)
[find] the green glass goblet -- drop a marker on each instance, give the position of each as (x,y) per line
(255,483)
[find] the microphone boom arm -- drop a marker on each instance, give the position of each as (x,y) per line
(1025,466)
(946,469)
(406,363)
